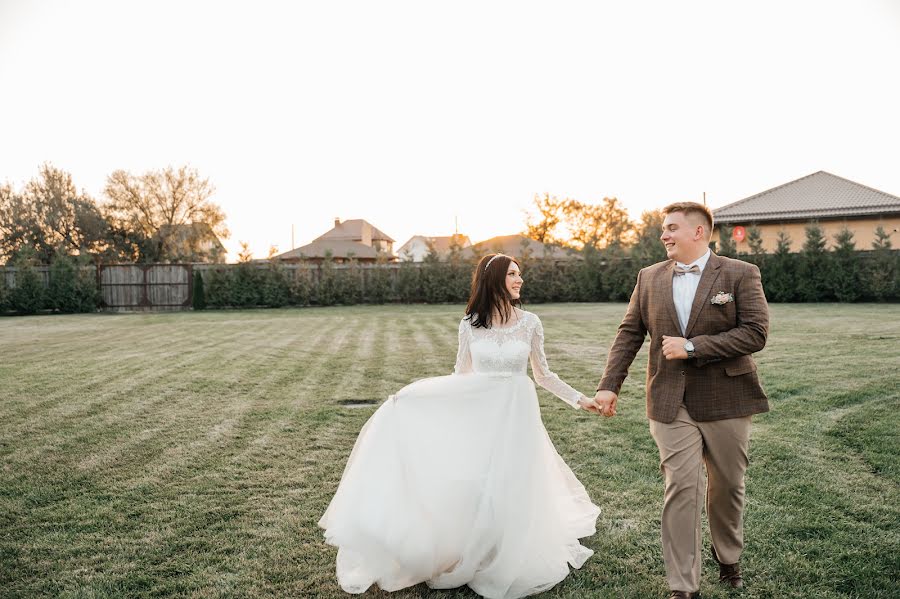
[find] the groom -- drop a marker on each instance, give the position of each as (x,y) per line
(705,314)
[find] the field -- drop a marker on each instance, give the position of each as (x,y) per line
(191,454)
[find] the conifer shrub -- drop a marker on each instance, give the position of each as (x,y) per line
(72,288)
(276,288)
(199,299)
(845,276)
(29,295)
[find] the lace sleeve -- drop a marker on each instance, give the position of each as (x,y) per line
(463,354)
(543,376)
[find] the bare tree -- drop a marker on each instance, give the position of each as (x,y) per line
(166,212)
(245,255)
(52,218)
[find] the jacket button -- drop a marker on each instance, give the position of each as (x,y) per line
(682,373)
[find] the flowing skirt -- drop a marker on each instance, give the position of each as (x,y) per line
(453,481)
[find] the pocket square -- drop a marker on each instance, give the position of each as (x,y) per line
(721,298)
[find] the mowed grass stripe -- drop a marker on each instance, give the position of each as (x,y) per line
(282,431)
(824,463)
(442,334)
(431,353)
(95,378)
(351,361)
(163,540)
(293,482)
(328,362)
(133,390)
(383,369)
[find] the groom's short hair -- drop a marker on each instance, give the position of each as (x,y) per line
(690,208)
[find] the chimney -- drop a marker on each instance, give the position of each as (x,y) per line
(337,221)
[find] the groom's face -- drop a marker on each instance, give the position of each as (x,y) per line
(682,237)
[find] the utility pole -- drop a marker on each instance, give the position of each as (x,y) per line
(292,235)
(704,198)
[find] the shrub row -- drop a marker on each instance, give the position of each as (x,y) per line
(70,289)
(830,276)
(808,276)
(825,277)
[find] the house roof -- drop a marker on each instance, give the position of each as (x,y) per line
(513,245)
(815,196)
(352,230)
(441,244)
(338,249)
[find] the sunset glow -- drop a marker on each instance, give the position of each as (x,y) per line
(412,115)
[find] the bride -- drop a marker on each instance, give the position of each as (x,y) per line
(454,480)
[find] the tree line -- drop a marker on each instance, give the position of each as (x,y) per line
(606,252)
(814,274)
(157,216)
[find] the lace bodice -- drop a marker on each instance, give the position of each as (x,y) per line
(506,351)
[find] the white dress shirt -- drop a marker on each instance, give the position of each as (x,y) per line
(684,288)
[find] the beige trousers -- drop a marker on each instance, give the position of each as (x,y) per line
(685,445)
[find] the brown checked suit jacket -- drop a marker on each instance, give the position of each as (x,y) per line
(720,380)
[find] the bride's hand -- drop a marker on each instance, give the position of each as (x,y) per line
(588,404)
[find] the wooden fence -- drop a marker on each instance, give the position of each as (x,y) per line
(146,286)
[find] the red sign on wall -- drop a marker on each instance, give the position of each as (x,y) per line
(738,233)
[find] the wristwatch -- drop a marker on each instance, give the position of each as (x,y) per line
(689,348)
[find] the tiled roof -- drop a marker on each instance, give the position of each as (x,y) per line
(352,230)
(816,196)
(512,245)
(441,244)
(338,249)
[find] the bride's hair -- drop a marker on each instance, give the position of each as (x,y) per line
(489,291)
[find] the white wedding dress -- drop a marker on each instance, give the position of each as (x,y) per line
(454,480)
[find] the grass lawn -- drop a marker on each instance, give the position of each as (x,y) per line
(191,454)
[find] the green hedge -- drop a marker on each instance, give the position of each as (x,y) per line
(812,275)
(71,288)
(836,276)
(4,295)
(841,275)
(245,286)
(66,287)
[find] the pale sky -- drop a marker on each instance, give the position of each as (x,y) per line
(411,114)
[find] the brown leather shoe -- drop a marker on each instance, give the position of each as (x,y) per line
(729,574)
(684,595)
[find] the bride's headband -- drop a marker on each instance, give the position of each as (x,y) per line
(494,257)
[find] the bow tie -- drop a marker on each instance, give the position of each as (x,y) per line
(681,270)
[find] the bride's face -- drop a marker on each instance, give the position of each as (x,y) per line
(514,280)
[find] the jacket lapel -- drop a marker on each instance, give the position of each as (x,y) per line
(709,276)
(667,274)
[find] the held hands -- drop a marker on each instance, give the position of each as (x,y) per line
(673,348)
(606,403)
(586,403)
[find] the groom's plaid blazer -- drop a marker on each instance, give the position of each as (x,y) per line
(720,381)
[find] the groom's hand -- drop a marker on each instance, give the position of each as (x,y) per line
(606,400)
(673,348)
